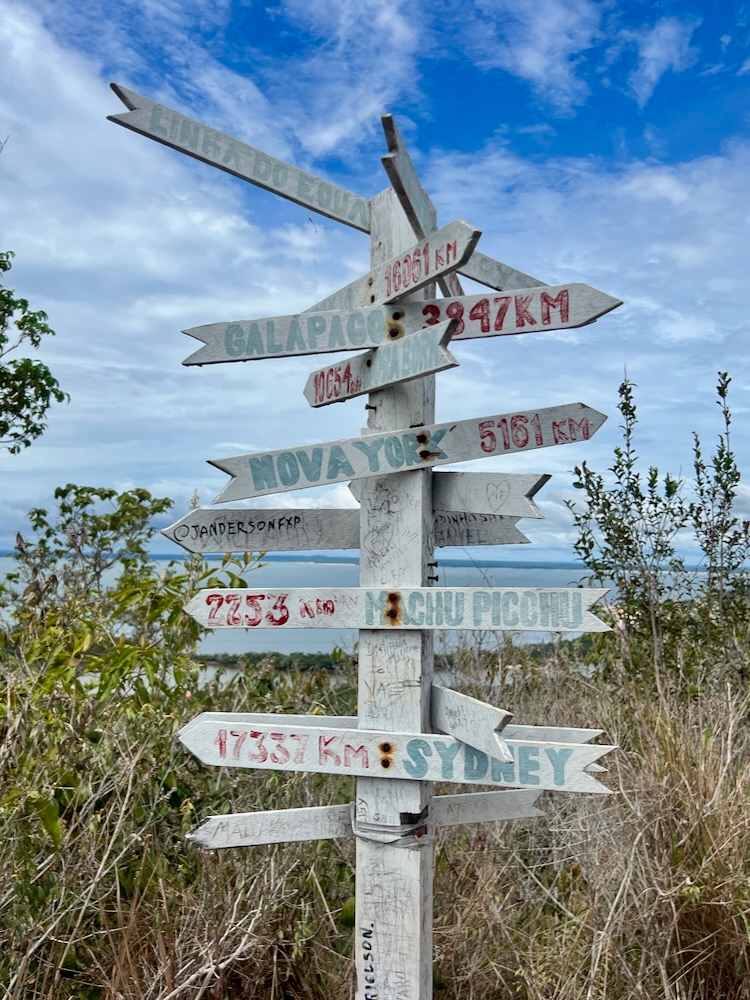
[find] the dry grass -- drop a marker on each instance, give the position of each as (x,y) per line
(645,893)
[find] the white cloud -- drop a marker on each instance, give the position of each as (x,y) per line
(744,68)
(664,47)
(365,57)
(540,41)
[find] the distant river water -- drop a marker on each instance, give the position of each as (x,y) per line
(281,575)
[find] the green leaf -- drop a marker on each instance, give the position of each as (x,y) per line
(48,811)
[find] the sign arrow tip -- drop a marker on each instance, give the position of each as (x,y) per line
(125,95)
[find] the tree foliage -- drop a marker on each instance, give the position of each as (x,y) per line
(27,387)
(631,527)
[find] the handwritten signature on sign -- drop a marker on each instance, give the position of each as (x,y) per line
(249,610)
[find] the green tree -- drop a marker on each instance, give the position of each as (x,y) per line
(27,387)
(630,527)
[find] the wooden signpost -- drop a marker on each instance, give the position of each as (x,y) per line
(348,327)
(408,732)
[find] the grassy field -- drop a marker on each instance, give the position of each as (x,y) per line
(644,893)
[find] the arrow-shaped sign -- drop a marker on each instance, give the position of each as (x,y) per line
(280,826)
(421,353)
(512,731)
(413,198)
(169,127)
(260,473)
(507,493)
(369,753)
(488,271)
(349,325)
(435,255)
(451,528)
(192,137)
(553,609)
(470,720)
(488,492)
(527,310)
(254,529)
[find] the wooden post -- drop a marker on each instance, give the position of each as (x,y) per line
(393,943)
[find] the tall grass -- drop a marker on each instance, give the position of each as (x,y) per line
(643,893)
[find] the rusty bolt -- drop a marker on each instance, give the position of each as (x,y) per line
(422,438)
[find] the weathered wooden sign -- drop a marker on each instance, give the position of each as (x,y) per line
(261,473)
(458,528)
(368,753)
(511,731)
(280,826)
(252,529)
(553,609)
(507,493)
(442,252)
(422,353)
(527,310)
(351,324)
(433,257)
(471,721)
(169,127)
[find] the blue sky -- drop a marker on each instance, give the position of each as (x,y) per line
(604,142)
